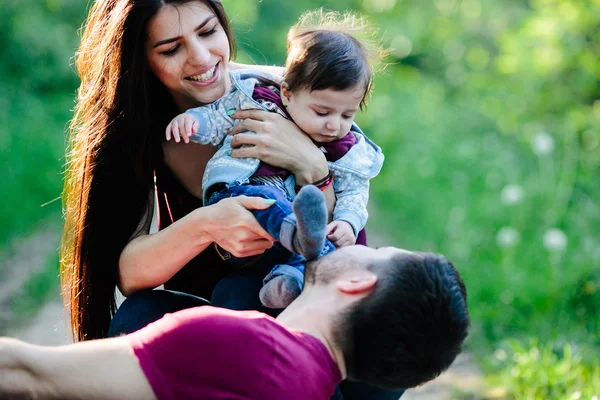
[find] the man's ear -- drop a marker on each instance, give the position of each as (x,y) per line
(286,95)
(357,284)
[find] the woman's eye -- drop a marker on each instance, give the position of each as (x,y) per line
(171,51)
(207,33)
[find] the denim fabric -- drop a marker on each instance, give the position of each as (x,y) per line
(147,306)
(271,219)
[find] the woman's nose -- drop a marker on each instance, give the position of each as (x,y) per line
(198,55)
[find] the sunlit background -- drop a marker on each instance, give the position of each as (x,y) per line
(488,112)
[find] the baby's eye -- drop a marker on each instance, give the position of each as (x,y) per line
(320,114)
(347,116)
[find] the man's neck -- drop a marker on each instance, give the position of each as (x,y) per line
(315,318)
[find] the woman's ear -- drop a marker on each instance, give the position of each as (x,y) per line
(286,95)
(357,284)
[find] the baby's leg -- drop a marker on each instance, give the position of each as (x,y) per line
(284,283)
(299,227)
(310,212)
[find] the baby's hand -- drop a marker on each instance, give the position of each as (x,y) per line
(182,127)
(341,234)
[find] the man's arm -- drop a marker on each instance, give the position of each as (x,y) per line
(100,369)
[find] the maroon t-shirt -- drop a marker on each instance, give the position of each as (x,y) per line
(213,353)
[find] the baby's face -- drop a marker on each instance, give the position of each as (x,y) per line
(324,115)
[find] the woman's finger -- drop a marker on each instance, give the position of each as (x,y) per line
(255,114)
(246,152)
(256,246)
(245,138)
(248,125)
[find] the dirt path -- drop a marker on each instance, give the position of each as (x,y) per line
(49,327)
(23,258)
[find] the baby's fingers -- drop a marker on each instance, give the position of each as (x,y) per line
(334,236)
(168,130)
(188,129)
(331,227)
(175,130)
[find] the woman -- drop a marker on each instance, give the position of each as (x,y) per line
(142,62)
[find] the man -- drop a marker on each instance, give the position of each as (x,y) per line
(389,317)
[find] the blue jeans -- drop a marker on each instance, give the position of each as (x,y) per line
(271,219)
(238,291)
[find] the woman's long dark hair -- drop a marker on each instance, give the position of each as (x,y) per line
(114,147)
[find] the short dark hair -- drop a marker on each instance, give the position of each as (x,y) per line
(411,328)
(323,53)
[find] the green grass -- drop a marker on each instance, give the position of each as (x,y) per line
(554,370)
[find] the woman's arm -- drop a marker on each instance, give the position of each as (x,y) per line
(96,369)
(152,259)
(281,143)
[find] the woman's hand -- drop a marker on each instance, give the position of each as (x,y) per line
(150,260)
(233,227)
(279,142)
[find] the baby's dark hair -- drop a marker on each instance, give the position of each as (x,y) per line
(324,52)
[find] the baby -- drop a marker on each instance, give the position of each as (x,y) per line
(327,80)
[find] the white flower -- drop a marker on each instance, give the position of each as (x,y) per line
(576,395)
(512,194)
(401,46)
(500,354)
(542,144)
(555,240)
(508,237)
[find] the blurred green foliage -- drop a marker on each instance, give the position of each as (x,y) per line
(547,371)
(37,85)
(488,113)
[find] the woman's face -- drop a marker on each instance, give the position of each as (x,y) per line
(188,51)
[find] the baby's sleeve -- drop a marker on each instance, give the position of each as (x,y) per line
(213,122)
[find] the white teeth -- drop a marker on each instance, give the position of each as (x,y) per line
(205,76)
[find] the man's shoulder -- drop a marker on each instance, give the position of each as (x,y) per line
(226,322)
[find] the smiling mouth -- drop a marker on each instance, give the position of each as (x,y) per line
(203,77)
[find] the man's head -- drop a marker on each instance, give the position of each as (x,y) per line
(410,317)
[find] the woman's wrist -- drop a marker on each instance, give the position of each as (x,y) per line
(312,171)
(201,226)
